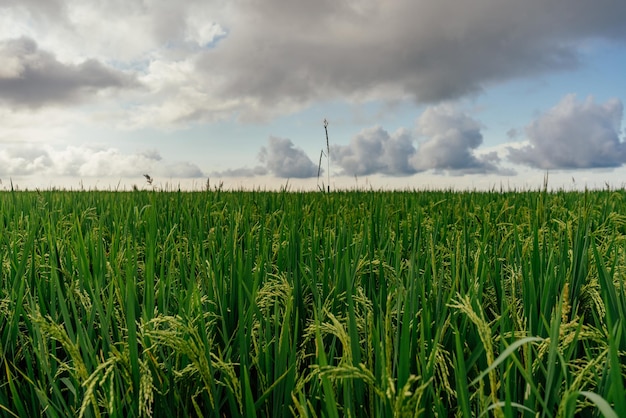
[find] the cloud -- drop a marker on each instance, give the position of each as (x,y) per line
(33,77)
(282,55)
(242,172)
(512,133)
(284,160)
(184,169)
(254,60)
(574,135)
(39,9)
(373,150)
(25,160)
(449,143)
(280,158)
(451,139)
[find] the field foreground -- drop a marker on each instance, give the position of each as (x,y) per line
(344,304)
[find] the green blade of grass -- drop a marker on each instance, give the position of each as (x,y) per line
(600,403)
(504,355)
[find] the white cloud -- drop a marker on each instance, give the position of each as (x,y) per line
(241,172)
(279,158)
(373,150)
(46,125)
(90,162)
(450,144)
(451,138)
(284,160)
(574,135)
(24,160)
(203,33)
(185,169)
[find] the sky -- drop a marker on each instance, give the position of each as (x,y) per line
(417,94)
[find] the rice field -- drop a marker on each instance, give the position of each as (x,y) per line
(343,304)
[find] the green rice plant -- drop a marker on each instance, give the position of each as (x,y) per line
(357,303)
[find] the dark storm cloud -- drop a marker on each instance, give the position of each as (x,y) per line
(373,150)
(575,135)
(281,51)
(33,77)
(276,56)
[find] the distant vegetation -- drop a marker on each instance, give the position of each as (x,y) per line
(336,304)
